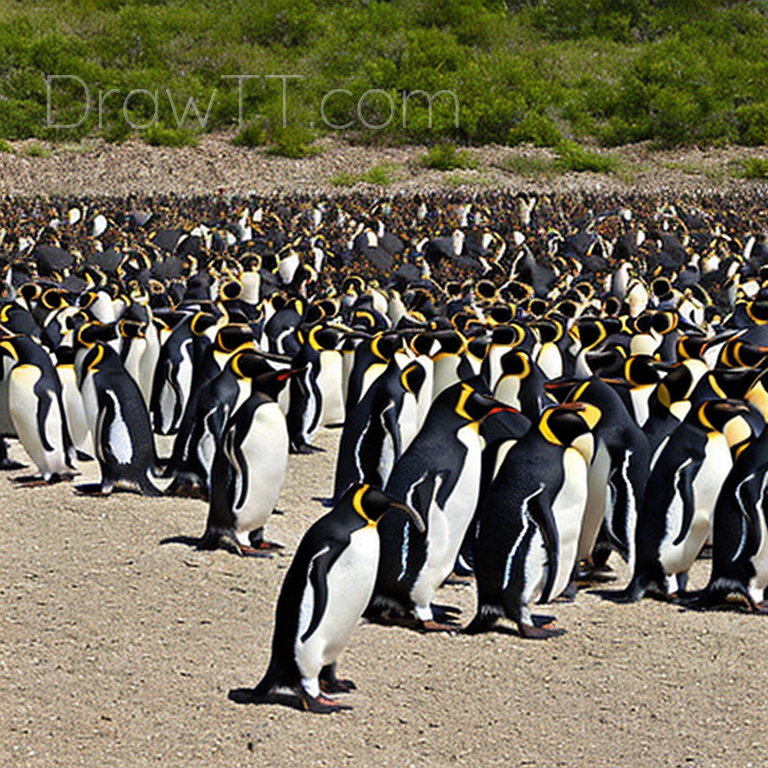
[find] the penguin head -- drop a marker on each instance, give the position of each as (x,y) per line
(413,377)
(472,405)
(372,504)
(571,425)
(516,363)
(735,419)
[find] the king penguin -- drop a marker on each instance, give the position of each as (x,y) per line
(527,531)
(439,476)
(674,521)
(248,469)
(36,408)
(325,590)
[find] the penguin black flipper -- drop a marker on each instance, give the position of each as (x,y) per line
(685,478)
(541,514)
(318,578)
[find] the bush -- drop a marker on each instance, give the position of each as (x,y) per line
(251,136)
(159,136)
(572,157)
(5,147)
(446,157)
(754,168)
(535,128)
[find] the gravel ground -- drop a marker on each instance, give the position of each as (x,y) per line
(93,167)
(120,648)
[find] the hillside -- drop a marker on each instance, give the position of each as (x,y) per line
(510,72)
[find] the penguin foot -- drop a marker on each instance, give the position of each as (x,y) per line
(229,543)
(430,625)
(188,491)
(337,686)
(322,705)
(533,632)
(305,449)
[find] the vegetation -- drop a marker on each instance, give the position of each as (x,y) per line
(425,71)
(753,168)
(446,157)
(381,175)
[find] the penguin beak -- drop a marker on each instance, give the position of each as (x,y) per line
(412,513)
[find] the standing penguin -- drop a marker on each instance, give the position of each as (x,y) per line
(326,588)
(740,534)
(36,408)
(379,428)
(675,518)
(439,476)
(248,469)
(119,421)
(527,532)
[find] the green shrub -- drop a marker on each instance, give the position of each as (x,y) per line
(36,150)
(536,129)
(755,168)
(252,135)
(573,157)
(5,147)
(525,165)
(446,157)
(159,136)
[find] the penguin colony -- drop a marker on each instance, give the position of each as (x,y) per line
(524,386)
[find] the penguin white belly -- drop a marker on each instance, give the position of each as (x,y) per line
(445,372)
(568,511)
(265,450)
(371,374)
(759,581)
(446,527)
(23,406)
(550,360)
(133,360)
(408,420)
(640,397)
(75,408)
(427,388)
(597,498)
(507,391)
(329,380)
(350,582)
(495,353)
(678,558)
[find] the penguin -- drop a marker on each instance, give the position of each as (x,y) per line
(527,531)
(439,476)
(248,469)
(521,384)
(119,422)
(191,461)
(674,521)
(36,408)
(172,381)
(739,575)
(379,428)
(617,473)
(322,598)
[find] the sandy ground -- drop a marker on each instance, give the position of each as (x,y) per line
(119,648)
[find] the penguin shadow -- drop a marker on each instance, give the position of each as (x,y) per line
(292,701)
(203,544)
(36,481)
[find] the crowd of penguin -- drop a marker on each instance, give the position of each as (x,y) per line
(524,385)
